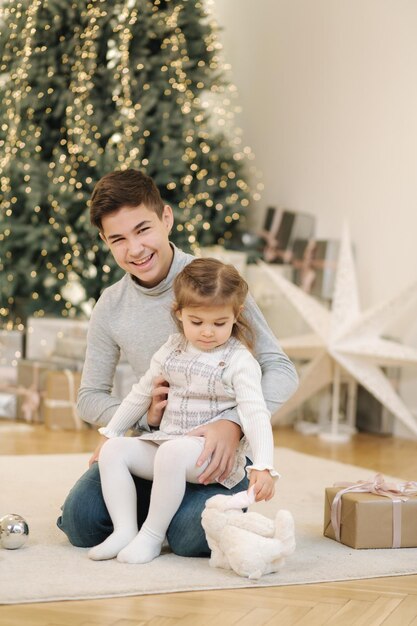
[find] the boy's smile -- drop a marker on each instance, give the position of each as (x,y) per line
(139,243)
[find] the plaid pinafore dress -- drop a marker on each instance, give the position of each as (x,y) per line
(198,395)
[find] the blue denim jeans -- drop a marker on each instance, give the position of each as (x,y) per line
(86,521)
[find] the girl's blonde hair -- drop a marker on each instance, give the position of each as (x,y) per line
(209,282)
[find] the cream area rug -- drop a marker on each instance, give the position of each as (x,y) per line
(48,568)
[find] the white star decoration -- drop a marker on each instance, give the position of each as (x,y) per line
(347,340)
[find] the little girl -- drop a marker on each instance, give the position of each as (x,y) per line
(210,369)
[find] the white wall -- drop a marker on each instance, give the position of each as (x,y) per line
(329,96)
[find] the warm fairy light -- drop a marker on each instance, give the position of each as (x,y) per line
(173,119)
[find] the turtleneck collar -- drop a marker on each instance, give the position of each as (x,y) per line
(179,261)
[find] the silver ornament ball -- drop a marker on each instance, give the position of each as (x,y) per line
(14,531)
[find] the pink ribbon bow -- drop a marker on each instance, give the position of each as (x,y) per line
(398,492)
(31,403)
(32,398)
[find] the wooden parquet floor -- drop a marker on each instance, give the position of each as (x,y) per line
(388,601)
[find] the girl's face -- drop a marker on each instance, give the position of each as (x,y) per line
(207,327)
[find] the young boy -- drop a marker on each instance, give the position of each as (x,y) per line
(133,315)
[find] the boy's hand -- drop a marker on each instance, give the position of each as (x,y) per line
(222,439)
(263,484)
(159,401)
(94,457)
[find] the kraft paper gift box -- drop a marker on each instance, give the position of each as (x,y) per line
(59,404)
(315,263)
(280,229)
(370,520)
(42,334)
(30,386)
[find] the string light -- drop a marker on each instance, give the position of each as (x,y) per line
(119,87)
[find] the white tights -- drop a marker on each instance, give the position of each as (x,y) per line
(169,465)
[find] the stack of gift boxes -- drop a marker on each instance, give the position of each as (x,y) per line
(40,372)
(290,242)
(289,238)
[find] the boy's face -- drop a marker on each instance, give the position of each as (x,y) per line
(139,242)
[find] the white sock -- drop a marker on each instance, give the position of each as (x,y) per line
(170,466)
(118,457)
(111,546)
(145,547)
(175,462)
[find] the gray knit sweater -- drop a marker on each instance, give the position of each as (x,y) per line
(137,320)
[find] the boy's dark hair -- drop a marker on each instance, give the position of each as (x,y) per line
(126,188)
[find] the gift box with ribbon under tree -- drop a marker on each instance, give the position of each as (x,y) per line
(31,382)
(59,404)
(372,513)
(281,228)
(48,336)
(315,263)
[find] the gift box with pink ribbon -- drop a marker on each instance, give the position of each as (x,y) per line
(315,263)
(372,513)
(31,381)
(281,228)
(59,404)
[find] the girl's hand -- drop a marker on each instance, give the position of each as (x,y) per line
(94,457)
(159,401)
(263,484)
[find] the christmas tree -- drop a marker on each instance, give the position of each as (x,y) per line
(90,87)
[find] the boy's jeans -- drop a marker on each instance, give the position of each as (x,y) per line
(86,522)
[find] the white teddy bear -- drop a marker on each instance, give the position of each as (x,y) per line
(248,543)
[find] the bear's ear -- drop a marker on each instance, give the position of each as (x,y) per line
(240,500)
